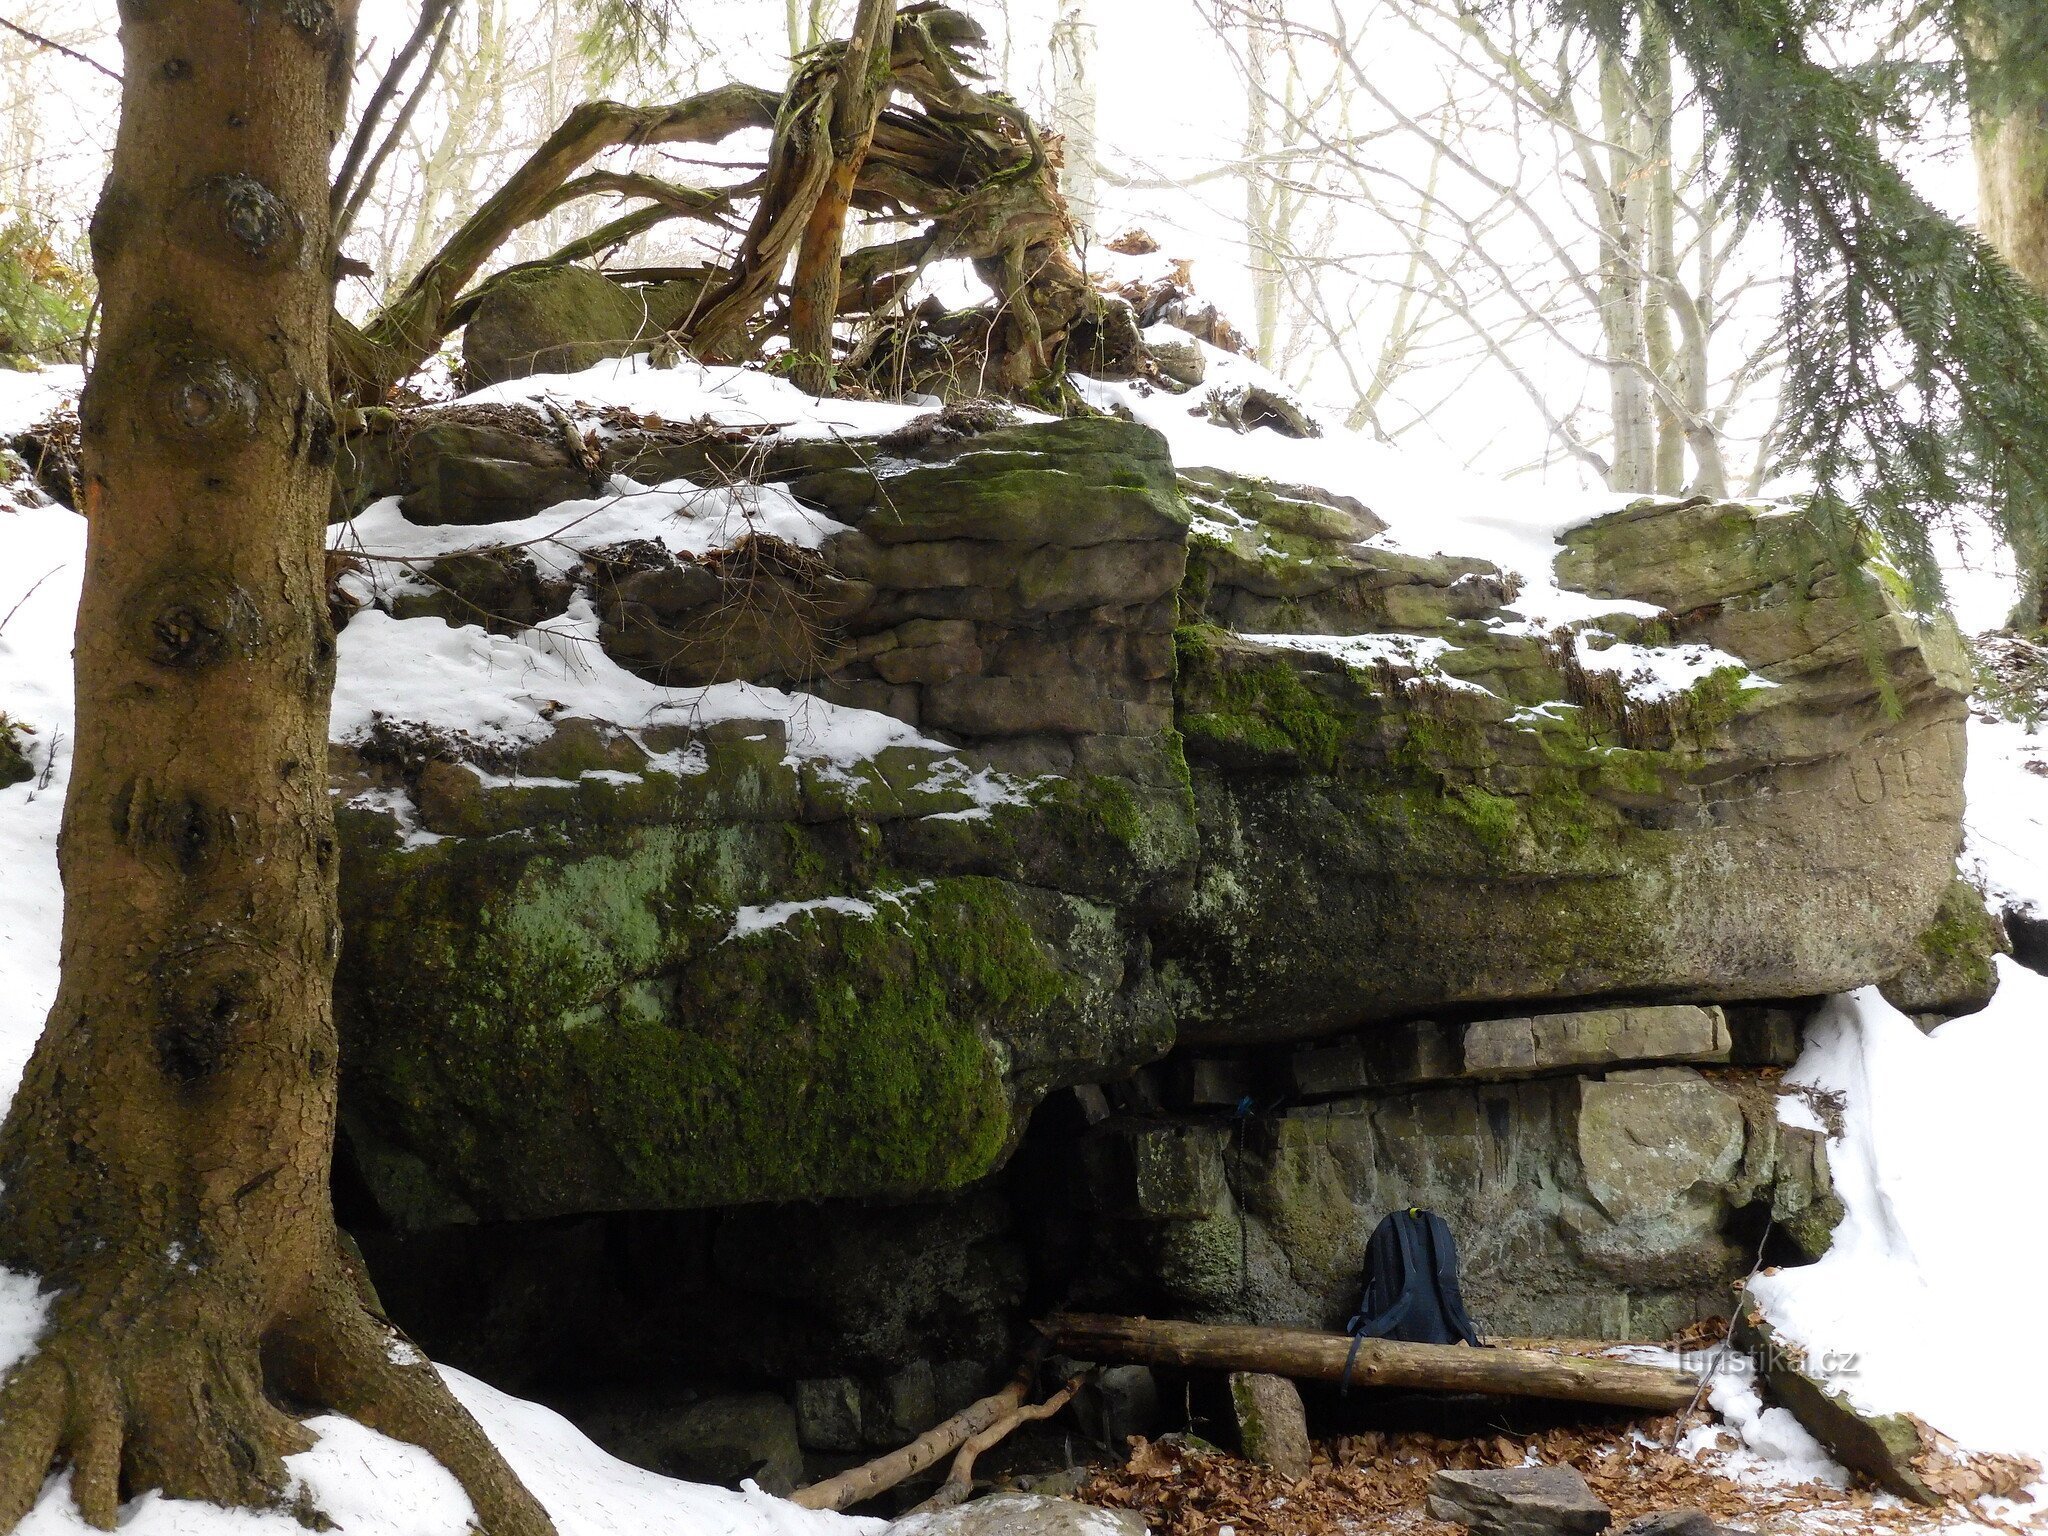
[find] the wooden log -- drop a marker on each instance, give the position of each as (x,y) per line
(885,1472)
(1306,1356)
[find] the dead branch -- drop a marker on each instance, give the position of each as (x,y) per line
(408,329)
(56,47)
(959,1483)
(344,199)
(885,1472)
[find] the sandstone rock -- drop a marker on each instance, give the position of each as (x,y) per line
(1651,1140)
(1285,1238)
(1181,361)
(1378,849)
(1122,1401)
(1499,1048)
(1272,1428)
(722,1439)
(1883,1447)
(563,320)
(553,1012)
(1329,1069)
(503,590)
(1208,1082)
(1156,1171)
(473,465)
(1518,1501)
(1021,1514)
(1953,968)
(901,1406)
(828,1413)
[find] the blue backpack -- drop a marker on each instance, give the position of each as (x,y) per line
(1411,1286)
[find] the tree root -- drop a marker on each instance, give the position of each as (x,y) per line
(175,1400)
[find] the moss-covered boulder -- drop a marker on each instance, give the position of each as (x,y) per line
(1476,813)
(1257,782)
(1954,965)
(636,987)
(563,320)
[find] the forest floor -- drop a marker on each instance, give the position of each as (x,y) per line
(1380,1482)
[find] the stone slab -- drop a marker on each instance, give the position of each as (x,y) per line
(1518,1501)
(1565,1042)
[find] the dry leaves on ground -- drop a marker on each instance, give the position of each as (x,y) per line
(1381,1481)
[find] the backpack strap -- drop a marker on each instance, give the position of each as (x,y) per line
(1443,1270)
(1414,1273)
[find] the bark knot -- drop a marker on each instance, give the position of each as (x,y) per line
(193,619)
(209,997)
(262,229)
(207,398)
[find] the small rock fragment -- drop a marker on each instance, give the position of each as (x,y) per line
(1519,1501)
(1272,1429)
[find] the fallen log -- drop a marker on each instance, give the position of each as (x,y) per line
(885,1472)
(1307,1356)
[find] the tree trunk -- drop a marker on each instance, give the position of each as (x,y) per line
(165,1164)
(1666,363)
(1304,1356)
(1261,187)
(1625,233)
(1073,111)
(2011,142)
(857,98)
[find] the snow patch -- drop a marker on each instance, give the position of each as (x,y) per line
(2005,827)
(507,690)
(763,919)
(1413,655)
(1652,674)
(1942,1165)
(1430,505)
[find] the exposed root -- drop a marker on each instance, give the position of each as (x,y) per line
(174,1402)
(359,1364)
(153,1404)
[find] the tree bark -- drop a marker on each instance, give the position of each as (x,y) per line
(857,98)
(1625,236)
(1305,1356)
(2011,142)
(164,1168)
(1074,111)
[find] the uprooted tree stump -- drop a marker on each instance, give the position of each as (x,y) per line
(888,122)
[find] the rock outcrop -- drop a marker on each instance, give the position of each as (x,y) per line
(1325,878)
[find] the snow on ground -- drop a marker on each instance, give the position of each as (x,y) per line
(690,391)
(42,560)
(1430,505)
(2005,842)
(369,1485)
(1929,1294)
